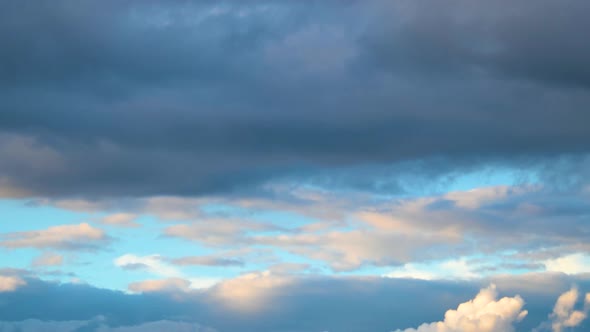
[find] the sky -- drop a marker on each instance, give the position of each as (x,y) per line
(294,166)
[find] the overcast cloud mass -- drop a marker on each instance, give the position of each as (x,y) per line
(294,166)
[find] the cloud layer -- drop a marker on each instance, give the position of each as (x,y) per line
(285,304)
(241,94)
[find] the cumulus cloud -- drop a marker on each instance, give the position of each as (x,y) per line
(485,313)
(64,237)
(564,314)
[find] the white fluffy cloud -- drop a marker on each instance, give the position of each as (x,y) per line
(570,264)
(564,314)
(485,313)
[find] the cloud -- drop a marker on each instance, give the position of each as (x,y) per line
(121,220)
(313,100)
(175,280)
(159,326)
(485,313)
(451,269)
(570,264)
(63,237)
(162,265)
(206,261)
(564,315)
(10,283)
(300,303)
(393,231)
(35,325)
(153,263)
(219,232)
(48,259)
(321,114)
(163,285)
(251,291)
(403,230)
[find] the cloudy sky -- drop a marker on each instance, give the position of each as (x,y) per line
(294,166)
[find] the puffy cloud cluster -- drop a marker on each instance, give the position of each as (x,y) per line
(485,313)
(564,314)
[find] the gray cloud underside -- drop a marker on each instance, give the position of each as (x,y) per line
(96,325)
(159,97)
(307,305)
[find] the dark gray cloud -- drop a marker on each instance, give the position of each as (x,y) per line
(537,41)
(138,98)
(315,304)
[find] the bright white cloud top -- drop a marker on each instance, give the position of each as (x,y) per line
(484,313)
